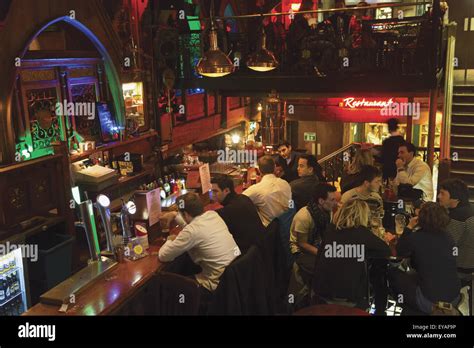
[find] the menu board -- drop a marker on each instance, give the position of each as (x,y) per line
(153,202)
(107,122)
(205,176)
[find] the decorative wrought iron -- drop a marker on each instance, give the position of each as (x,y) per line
(393,46)
(333,164)
(17,197)
(40,188)
(44,124)
(190,48)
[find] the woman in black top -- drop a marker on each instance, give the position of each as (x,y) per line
(432,255)
(340,270)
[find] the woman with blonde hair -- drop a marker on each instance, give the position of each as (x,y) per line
(340,271)
(351,178)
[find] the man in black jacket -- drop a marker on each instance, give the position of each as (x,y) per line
(390,149)
(302,189)
(239,213)
(454,196)
(288,161)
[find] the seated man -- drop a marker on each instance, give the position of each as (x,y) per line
(368,191)
(239,213)
(306,233)
(302,188)
(205,238)
(454,196)
(272,195)
(413,171)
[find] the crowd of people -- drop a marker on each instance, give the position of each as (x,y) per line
(336,255)
(336,37)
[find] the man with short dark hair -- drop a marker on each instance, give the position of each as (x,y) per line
(205,237)
(302,188)
(272,195)
(239,213)
(288,161)
(413,171)
(390,149)
(368,191)
(454,196)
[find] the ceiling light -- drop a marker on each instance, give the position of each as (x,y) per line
(214,63)
(262,60)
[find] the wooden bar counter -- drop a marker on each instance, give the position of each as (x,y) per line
(110,292)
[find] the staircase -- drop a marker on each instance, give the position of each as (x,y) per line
(462,135)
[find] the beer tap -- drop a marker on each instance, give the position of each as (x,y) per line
(86,210)
(128,209)
(103,206)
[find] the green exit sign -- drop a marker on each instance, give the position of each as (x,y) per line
(309,136)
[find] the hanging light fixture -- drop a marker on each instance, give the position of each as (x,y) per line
(214,63)
(262,60)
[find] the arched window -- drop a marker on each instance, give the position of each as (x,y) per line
(231,24)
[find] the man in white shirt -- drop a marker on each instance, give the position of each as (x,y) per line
(272,195)
(413,171)
(205,238)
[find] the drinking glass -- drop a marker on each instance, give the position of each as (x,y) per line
(400,223)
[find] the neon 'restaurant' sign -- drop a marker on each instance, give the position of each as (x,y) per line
(356,103)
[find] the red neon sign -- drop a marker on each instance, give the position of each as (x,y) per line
(357,103)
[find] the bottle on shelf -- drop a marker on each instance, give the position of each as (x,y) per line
(173,184)
(166,186)
(3,286)
(6,270)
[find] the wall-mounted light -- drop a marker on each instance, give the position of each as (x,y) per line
(295,7)
(259,107)
(235,138)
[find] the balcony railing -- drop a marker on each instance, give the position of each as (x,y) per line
(387,48)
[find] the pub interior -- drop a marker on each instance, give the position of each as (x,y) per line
(230,157)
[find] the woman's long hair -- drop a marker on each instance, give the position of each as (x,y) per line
(361,158)
(353,213)
(433,218)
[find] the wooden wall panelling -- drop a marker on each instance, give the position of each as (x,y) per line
(31,190)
